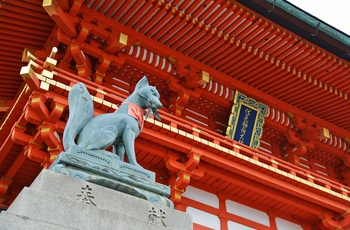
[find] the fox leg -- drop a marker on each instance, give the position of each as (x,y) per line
(119,150)
(129,145)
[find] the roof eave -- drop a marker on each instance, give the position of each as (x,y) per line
(303,24)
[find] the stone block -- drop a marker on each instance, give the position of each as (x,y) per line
(71,203)
(9,221)
(106,169)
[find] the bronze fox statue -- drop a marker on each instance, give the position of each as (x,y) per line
(118,129)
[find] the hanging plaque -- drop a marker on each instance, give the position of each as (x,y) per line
(246,120)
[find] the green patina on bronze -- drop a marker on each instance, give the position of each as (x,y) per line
(87,137)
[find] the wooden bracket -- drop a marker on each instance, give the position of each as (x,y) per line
(184,172)
(330,222)
(34,152)
(4,185)
(116,43)
(60,17)
(180,96)
(304,137)
(29,76)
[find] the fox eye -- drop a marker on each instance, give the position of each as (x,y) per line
(153,90)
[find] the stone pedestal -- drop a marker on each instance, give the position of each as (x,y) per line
(59,202)
(106,169)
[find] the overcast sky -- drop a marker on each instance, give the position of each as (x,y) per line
(333,12)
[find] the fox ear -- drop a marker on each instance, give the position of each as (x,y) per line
(143,82)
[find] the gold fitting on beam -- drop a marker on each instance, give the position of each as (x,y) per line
(267,57)
(3,186)
(310,176)
(45,130)
(171,59)
(137,43)
(59,108)
(26,72)
(123,39)
(204,77)
(47,74)
(290,115)
(101,91)
(50,63)
(50,6)
(33,64)
(19,126)
(53,157)
(44,85)
(325,133)
(97,99)
(250,48)
(347,140)
(107,103)
(196,130)
(237,146)
(54,51)
(27,55)
(35,99)
(180,190)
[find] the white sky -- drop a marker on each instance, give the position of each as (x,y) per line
(333,12)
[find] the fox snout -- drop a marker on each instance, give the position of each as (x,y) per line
(154,104)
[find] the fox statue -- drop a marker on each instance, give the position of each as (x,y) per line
(118,129)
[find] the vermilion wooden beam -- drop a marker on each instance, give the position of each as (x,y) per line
(175,15)
(47,131)
(4,185)
(162,138)
(262,188)
(34,152)
(60,17)
(58,106)
(273,182)
(74,9)
(254,175)
(153,25)
(36,19)
(24,23)
(27,5)
(16,165)
(329,222)
(165,51)
(37,102)
(5,147)
(19,137)
(154,5)
(4,105)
